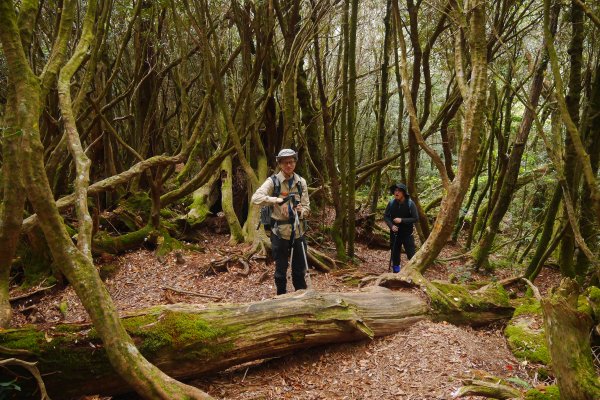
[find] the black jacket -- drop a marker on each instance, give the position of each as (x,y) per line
(406,210)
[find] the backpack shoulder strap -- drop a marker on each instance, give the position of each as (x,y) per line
(276,185)
(411,203)
(299,186)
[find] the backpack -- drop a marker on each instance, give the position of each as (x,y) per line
(266,219)
(409,207)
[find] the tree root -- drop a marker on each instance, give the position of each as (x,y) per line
(487,388)
(31,367)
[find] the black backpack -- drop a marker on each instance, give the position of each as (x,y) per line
(266,219)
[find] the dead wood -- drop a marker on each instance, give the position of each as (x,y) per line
(28,295)
(187,340)
(191,293)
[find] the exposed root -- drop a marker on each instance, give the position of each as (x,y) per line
(31,367)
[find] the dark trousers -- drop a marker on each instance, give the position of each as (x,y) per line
(281,250)
(397,240)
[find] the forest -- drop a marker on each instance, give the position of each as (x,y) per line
(134,134)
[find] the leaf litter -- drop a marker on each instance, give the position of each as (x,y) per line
(427,361)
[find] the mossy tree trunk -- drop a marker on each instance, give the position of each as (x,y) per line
(202,201)
(508,186)
(328,138)
(589,176)
(588,220)
(351,126)
(190,340)
(76,265)
(474,96)
(568,334)
(81,160)
(572,100)
(20,115)
(536,261)
(235,228)
(382,111)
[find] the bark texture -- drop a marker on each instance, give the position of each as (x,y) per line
(568,334)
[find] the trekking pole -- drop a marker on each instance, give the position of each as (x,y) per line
(392,250)
(306,274)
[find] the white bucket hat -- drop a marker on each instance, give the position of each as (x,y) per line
(284,153)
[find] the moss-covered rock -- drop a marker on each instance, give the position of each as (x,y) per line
(525,333)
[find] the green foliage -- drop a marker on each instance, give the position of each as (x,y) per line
(63,307)
(519,382)
(7,387)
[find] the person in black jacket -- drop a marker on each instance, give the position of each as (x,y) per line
(400,216)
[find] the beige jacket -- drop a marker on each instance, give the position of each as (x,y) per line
(263,196)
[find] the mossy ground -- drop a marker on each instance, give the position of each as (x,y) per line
(548,393)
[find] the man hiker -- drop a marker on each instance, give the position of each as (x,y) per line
(400,216)
(287,194)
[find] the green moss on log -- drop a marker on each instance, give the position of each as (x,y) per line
(179,331)
(31,340)
(138,203)
(548,393)
(457,304)
(59,351)
(527,344)
(528,307)
(167,243)
(118,244)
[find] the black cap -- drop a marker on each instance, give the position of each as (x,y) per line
(400,186)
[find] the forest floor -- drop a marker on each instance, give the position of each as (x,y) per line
(425,362)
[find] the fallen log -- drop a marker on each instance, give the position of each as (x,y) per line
(186,340)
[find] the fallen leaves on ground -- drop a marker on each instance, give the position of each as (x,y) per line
(425,362)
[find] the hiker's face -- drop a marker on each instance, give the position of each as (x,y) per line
(287,165)
(399,195)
